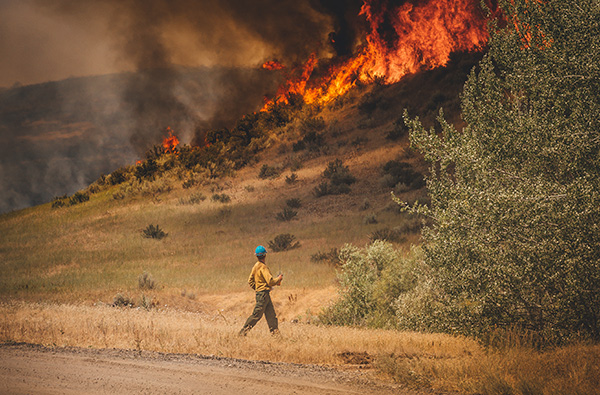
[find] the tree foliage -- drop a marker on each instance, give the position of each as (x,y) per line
(515,196)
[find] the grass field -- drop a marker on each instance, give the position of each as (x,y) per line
(62,269)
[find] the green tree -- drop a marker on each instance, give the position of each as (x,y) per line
(515,196)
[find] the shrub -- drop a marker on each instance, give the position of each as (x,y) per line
(287,214)
(322,189)
(515,242)
(283,242)
(194,198)
(121,300)
(78,197)
(312,141)
(221,197)
(118,176)
(371,280)
(293,203)
(291,179)
(399,130)
(386,234)
(337,173)
(59,201)
(339,178)
(331,257)
(395,172)
(145,281)
(267,171)
(146,170)
(154,232)
(190,182)
(146,302)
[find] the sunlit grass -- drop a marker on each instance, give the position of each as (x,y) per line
(440,362)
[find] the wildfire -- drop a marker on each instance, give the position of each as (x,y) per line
(170,142)
(401,40)
(273,65)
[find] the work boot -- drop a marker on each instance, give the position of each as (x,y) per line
(275,333)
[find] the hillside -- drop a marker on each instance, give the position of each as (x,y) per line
(82,275)
(58,137)
(93,250)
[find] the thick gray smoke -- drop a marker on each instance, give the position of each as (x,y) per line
(56,138)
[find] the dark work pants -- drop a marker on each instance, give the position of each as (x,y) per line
(264,305)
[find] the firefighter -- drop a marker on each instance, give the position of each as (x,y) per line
(261,281)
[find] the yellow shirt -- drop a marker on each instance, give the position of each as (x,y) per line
(261,279)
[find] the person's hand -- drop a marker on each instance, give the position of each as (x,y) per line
(280,277)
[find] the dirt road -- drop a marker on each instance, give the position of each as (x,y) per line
(29,369)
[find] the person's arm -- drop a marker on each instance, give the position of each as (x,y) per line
(269,278)
(251,281)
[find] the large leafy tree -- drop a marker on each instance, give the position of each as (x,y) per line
(515,196)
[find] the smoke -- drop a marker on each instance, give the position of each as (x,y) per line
(193,65)
(154,35)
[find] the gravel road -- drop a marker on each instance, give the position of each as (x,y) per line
(32,369)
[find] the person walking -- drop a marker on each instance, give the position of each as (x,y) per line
(261,280)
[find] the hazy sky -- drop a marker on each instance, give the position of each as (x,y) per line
(43,40)
(38,45)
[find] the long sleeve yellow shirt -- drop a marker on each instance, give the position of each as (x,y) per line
(261,278)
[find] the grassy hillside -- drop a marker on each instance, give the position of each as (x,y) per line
(93,250)
(66,269)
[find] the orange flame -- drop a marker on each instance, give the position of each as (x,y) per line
(401,40)
(273,65)
(170,142)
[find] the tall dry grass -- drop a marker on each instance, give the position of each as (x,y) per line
(440,362)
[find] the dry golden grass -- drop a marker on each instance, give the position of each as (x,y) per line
(440,362)
(61,268)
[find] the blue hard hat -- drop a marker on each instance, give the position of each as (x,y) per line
(260,251)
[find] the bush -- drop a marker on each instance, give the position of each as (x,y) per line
(396,172)
(339,178)
(399,130)
(291,179)
(146,302)
(267,171)
(190,182)
(312,141)
(283,242)
(59,201)
(371,280)
(515,242)
(145,281)
(221,197)
(121,300)
(322,189)
(118,176)
(154,232)
(293,203)
(146,170)
(194,198)
(331,257)
(78,197)
(287,214)
(386,234)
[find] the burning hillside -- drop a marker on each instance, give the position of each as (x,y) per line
(400,39)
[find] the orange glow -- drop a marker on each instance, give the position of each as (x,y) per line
(401,40)
(170,142)
(273,65)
